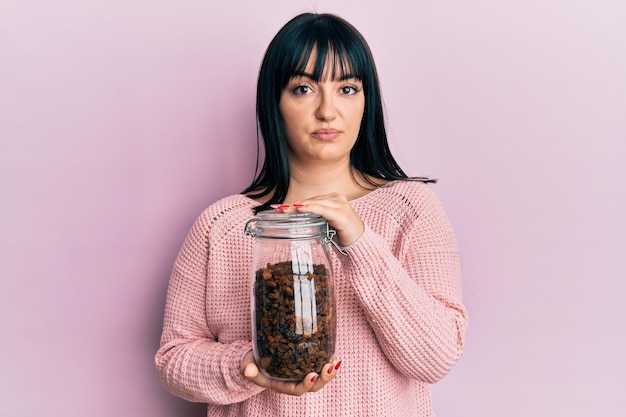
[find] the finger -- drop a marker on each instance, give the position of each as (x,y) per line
(250,371)
(330,210)
(329,372)
(292,388)
(253,374)
(336,201)
(281,208)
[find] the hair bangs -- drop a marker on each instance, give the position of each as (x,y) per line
(338,55)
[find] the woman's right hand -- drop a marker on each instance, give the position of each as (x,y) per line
(311,383)
(336,209)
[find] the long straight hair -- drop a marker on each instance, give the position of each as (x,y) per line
(288,55)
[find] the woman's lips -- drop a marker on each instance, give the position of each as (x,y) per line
(325,134)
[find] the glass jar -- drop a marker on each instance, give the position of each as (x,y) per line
(293,307)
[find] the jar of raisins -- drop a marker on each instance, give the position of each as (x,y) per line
(293,308)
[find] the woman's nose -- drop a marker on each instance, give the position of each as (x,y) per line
(326,110)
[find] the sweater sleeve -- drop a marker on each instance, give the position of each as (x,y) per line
(191,362)
(413,299)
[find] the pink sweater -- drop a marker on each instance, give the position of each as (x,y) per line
(400,319)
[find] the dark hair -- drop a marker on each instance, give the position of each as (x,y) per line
(288,55)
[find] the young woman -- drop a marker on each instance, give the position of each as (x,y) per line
(400,319)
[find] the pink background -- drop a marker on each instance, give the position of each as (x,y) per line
(121,120)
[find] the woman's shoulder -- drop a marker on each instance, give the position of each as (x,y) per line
(230,209)
(229,205)
(401,208)
(412,198)
(407,190)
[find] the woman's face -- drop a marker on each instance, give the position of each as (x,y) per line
(321,119)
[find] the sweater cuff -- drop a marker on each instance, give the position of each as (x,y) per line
(233,359)
(362,247)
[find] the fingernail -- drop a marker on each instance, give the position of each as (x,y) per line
(283,206)
(338,365)
(314,378)
(298,205)
(330,370)
(274,206)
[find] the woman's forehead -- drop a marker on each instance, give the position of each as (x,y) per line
(332,65)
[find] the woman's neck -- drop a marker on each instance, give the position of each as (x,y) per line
(306,182)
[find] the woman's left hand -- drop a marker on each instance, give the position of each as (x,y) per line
(311,383)
(336,209)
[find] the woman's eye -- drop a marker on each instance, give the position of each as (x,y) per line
(301,90)
(349,90)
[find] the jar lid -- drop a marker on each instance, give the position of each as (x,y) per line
(269,223)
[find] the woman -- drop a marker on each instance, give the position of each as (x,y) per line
(400,319)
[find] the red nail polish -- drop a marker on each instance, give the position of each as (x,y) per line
(298,205)
(330,370)
(338,365)
(283,206)
(314,378)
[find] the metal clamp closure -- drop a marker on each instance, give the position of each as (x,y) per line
(330,234)
(247,230)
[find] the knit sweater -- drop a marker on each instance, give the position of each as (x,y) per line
(400,319)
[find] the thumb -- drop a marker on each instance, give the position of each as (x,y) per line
(250,371)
